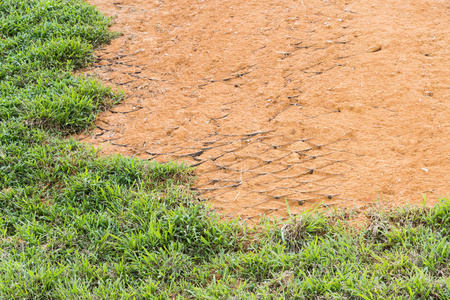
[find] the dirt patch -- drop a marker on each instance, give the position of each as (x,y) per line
(343,104)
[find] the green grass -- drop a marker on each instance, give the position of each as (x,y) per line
(76,225)
(41,43)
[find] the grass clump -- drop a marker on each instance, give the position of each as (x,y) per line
(75,225)
(41,43)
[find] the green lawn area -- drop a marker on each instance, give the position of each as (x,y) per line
(77,225)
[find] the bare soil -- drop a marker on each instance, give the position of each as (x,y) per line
(313,102)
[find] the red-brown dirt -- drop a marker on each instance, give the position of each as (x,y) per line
(338,103)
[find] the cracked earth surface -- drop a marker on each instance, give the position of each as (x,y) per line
(336,103)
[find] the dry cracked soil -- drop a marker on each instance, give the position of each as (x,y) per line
(330,103)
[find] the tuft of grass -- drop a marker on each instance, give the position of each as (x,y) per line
(41,43)
(76,225)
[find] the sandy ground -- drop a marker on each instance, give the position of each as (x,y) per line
(337,103)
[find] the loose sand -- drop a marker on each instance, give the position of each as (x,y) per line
(338,103)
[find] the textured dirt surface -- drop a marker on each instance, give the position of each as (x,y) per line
(337,103)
